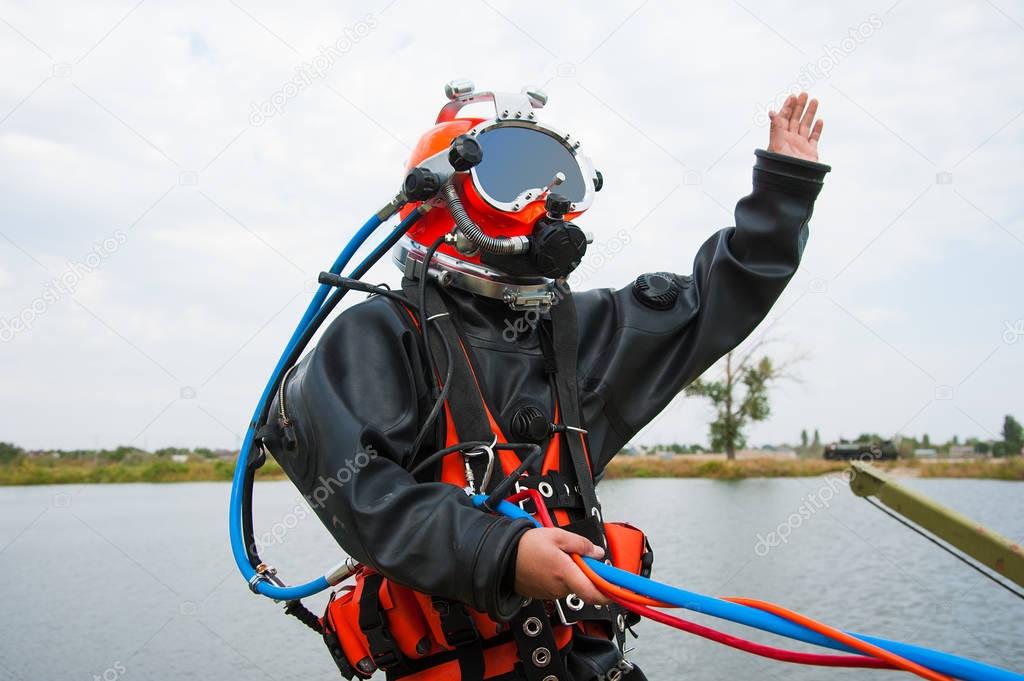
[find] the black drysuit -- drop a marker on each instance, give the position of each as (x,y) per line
(358,399)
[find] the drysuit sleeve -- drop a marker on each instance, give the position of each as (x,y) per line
(636,355)
(354,403)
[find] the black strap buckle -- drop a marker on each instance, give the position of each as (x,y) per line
(456,624)
(383,648)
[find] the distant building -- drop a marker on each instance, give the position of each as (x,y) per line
(964,452)
(925,453)
(179,458)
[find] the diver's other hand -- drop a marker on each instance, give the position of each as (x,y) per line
(794,131)
(545,570)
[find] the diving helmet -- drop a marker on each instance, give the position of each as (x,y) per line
(503,192)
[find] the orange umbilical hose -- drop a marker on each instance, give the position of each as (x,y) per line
(607,587)
(835,634)
(842,637)
(831,632)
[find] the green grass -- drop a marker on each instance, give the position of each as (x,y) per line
(1010,468)
(57,472)
(45,471)
(684,467)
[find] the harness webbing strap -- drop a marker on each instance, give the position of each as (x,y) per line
(539,657)
(460,632)
(563,345)
(465,400)
(557,489)
(383,648)
(469,415)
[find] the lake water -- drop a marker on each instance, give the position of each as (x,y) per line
(126,582)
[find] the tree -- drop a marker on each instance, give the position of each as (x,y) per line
(9,452)
(926,441)
(803,439)
(739,396)
(869,437)
(1013,435)
(816,442)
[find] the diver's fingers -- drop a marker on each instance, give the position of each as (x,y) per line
(580,585)
(780,121)
(574,543)
(798,110)
(807,121)
(816,133)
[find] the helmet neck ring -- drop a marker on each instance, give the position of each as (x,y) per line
(519,293)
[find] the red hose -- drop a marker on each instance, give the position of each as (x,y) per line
(630,603)
(841,636)
(750,646)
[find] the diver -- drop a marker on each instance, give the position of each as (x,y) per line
(487,374)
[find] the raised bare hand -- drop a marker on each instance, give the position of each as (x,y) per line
(794,131)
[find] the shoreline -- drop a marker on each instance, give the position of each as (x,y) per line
(50,472)
(683,466)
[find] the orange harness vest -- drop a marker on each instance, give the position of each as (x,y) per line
(379,624)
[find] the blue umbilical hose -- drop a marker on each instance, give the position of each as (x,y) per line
(238,548)
(944,663)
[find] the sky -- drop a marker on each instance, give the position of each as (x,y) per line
(175,176)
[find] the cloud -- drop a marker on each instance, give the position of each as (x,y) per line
(137,118)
